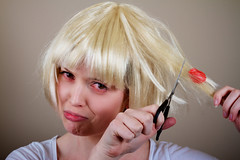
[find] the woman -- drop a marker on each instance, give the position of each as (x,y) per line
(104,73)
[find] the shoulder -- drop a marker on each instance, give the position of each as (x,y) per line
(36,150)
(168,151)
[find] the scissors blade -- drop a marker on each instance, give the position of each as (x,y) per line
(176,83)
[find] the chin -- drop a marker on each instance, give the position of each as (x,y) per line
(73,129)
(82,131)
(76,129)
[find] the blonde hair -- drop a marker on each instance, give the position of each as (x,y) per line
(122,46)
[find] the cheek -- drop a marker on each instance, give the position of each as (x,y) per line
(109,106)
(62,92)
(62,96)
(105,111)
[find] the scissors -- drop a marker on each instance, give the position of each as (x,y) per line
(164,107)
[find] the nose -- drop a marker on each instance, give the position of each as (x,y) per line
(78,96)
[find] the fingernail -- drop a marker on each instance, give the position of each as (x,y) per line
(224,114)
(231,117)
(158,127)
(216,103)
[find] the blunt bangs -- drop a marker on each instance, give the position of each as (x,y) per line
(102,48)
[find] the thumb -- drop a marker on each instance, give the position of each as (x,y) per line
(169,122)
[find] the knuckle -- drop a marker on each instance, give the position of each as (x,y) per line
(113,123)
(129,110)
(129,136)
(236,91)
(120,115)
(138,128)
(148,118)
(155,105)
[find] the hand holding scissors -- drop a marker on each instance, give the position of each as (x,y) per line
(165,106)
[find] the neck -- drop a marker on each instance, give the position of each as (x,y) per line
(72,145)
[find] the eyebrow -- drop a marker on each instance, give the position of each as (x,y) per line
(96,79)
(89,77)
(64,68)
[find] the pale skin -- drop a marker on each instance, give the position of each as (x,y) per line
(229,98)
(91,112)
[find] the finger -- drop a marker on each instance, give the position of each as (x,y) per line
(235,109)
(120,131)
(229,102)
(220,94)
(145,118)
(133,124)
(169,122)
(152,109)
(160,121)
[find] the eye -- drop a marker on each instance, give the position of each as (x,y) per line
(99,87)
(67,75)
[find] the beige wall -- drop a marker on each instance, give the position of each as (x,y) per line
(208,31)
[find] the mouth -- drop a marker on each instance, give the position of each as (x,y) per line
(73,117)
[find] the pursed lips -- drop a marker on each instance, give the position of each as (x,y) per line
(73,116)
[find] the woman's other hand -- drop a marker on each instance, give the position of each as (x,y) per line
(229,98)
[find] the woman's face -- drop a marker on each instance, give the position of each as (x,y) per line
(86,105)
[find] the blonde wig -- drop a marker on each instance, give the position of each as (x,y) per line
(123,46)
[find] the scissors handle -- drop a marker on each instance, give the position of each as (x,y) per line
(165,109)
(161,108)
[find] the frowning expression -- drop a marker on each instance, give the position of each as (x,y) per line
(86,104)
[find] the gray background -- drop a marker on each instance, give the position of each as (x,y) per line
(208,31)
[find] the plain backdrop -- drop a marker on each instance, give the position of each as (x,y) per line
(207,30)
